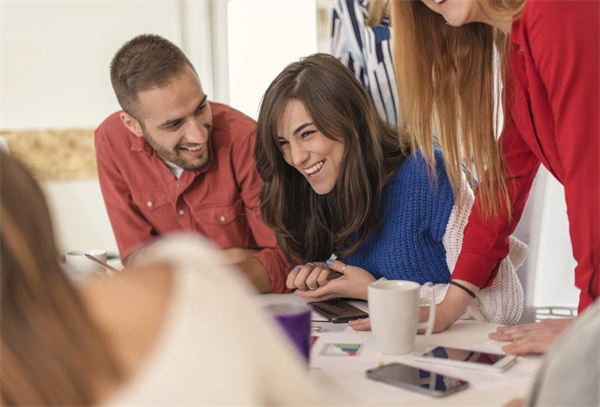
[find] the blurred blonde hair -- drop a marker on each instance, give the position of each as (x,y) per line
(375,11)
(446,76)
(50,351)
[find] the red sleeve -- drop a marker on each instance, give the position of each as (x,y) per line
(249,182)
(567,60)
(129,225)
(485,243)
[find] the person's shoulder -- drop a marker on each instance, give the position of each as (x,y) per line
(547,15)
(416,174)
(112,132)
(130,310)
(416,161)
(227,119)
(111,125)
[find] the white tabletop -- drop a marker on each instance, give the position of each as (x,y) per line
(346,375)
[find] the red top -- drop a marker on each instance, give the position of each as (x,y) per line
(553,100)
(144,200)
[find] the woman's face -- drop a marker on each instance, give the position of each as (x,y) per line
(305,148)
(457,12)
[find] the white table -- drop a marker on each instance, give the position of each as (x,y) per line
(346,375)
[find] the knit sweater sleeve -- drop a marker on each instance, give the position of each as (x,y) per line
(501,303)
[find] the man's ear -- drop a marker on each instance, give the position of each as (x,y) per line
(132,124)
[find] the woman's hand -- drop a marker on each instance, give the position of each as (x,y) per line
(338,280)
(309,276)
(531,338)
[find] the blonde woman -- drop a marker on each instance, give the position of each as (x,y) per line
(549,70)
(166,333)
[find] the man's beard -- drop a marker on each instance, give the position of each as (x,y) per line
(173,156)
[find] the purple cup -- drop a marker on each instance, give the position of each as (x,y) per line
(294,318)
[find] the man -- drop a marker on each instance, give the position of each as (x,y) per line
(173,161)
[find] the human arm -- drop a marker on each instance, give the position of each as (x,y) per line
(568,64)
(268,267)
(131,229)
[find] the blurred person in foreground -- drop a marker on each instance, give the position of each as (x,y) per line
(167,332)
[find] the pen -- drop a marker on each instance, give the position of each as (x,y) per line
(100,262)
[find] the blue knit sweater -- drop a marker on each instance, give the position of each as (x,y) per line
(415,213)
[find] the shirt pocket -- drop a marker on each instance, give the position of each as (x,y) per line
(225,225)
(156,207)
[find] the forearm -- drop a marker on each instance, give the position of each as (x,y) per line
(257,273)
(452,307)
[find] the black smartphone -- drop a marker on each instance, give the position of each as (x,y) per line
(413,378)
(338,311)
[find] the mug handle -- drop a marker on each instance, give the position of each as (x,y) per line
(428,326)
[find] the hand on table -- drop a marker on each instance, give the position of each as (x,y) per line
(531,338)
(333,280)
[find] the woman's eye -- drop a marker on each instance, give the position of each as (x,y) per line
(307,133)
(282,143)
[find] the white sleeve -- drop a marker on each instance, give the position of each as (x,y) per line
(502,303)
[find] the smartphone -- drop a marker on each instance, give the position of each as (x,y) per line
(494,362)
(338,311)
(413,378)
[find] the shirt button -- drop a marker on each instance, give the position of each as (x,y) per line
(149,204)
(222,218)
(180,185)
(181,211)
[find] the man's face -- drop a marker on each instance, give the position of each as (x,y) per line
(176,121)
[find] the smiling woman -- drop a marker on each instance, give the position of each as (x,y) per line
(337,181)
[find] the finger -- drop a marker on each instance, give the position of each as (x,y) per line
(289,282)
(337,265)
(511,333)
(320,294)
(324,276)
(313,277)
(530,344)
(363,324)
(300,280)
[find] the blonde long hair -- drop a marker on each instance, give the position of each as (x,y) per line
(50,351)
(375,11)
(446,76)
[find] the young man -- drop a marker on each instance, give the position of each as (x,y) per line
(173,161)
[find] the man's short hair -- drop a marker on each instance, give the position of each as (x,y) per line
(145,62)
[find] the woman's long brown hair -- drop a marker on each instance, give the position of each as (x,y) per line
(451,77)
(309,226)
(50,352)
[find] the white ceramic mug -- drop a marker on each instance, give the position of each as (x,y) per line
(394,313)
(80,267)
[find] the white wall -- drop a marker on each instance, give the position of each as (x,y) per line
(265,36)
(56,55)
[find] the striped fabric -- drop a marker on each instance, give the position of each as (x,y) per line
(367,52)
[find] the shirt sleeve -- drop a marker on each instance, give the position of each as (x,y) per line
(486,242)
(130,227)
(568,64)
(249,182)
